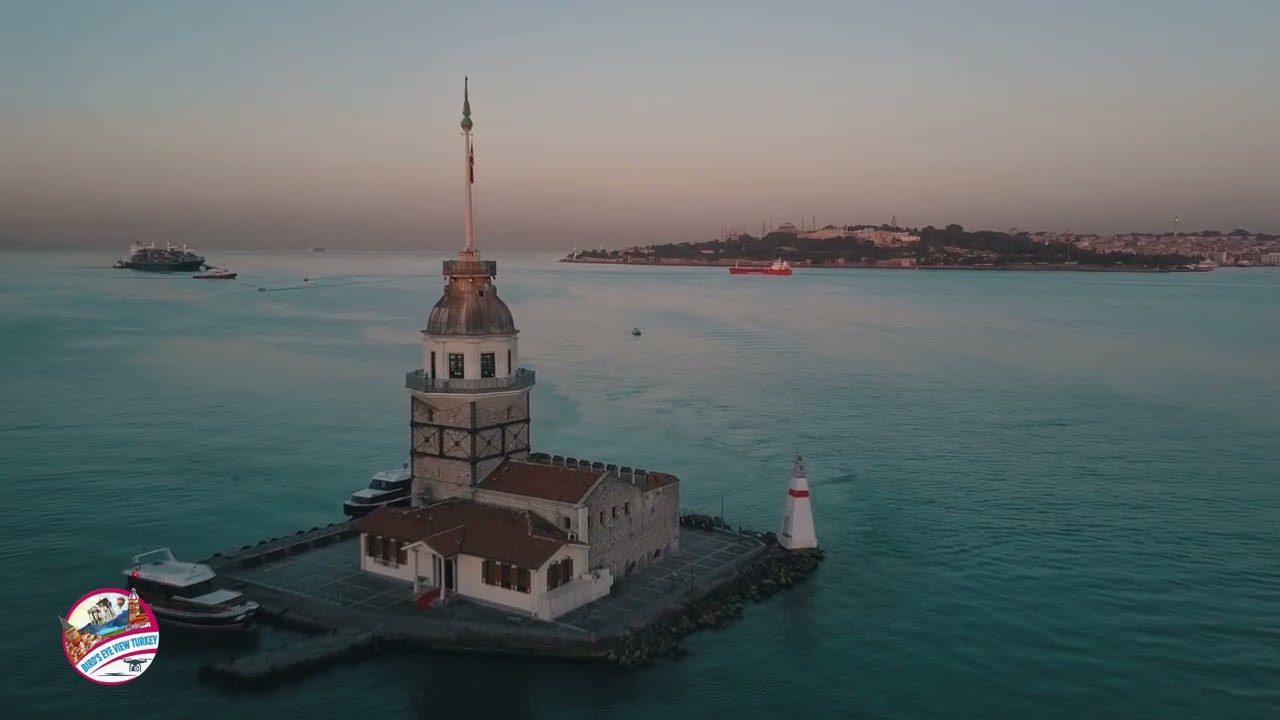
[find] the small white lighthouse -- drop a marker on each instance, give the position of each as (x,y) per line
(797,523)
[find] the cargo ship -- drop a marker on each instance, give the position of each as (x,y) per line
(169,258)
(779,267)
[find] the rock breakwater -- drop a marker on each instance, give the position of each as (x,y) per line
(776,570)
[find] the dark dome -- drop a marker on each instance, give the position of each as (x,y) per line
(470,307)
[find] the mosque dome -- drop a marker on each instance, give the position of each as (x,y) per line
(470,307)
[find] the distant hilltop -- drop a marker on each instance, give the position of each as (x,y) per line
(894,246)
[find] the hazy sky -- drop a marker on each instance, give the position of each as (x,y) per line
(291,123)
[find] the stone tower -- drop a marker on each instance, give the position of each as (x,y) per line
(797,521)
(469,406)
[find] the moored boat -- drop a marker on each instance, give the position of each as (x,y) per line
(779,267)
(182,594)
(389,487)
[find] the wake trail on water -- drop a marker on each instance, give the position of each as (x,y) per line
(327,282)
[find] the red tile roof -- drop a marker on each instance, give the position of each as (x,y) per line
(462,526)
(549,482)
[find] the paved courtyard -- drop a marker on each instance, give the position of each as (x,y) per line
(332,574)
(702,556)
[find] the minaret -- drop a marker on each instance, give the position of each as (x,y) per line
(797,523)
(469,404)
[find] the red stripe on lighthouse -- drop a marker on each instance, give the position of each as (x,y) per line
(798,493)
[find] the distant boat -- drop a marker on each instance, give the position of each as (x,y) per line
(635,331)
(315,249)
(779,267)
(216,274)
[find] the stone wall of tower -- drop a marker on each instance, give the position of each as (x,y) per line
(449,434)
(627,526)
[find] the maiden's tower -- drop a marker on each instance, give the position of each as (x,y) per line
(470,399)
(490,520)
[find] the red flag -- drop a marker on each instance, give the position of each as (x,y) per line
(471,165)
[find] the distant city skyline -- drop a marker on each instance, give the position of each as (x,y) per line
(291,124)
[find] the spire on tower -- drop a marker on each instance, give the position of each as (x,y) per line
(466,105)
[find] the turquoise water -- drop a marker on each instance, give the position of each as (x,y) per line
(1049,495)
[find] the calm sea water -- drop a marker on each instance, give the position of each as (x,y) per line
(1043,495)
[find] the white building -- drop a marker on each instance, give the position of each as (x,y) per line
(536,534)
(829,232)
(886,237)
(506,557)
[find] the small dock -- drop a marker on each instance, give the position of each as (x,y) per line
(293,661)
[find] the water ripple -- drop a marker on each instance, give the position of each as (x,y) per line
(1041,497)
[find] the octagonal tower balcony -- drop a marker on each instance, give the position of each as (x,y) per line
(421,381)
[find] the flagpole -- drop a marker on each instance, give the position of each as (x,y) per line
(468,160)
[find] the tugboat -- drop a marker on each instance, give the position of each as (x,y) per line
(169,258)
(779,267)
(635,331)
(216,274)
(182,594)
(389,487)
